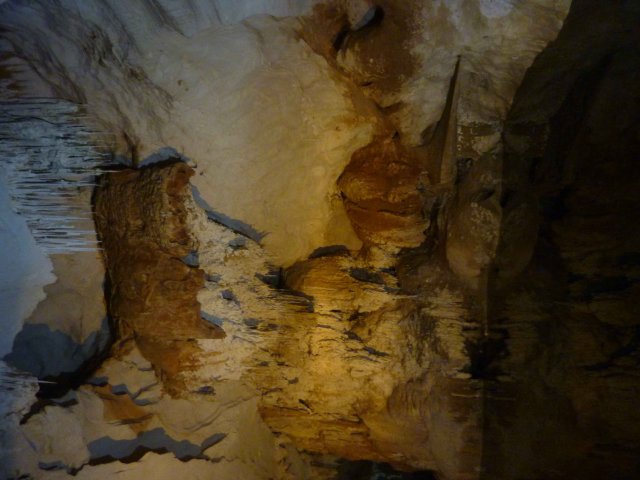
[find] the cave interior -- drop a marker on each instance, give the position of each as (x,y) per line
(320,239)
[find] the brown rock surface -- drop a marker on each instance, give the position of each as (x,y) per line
(381,187)
(489,327)
(141,218)
(496,334)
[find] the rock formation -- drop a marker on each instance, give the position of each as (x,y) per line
(345,239)
(141,219)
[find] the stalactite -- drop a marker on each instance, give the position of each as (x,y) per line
(11,379)
(50,158)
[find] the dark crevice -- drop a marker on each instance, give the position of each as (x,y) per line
(107,450)
(367,470)
(235,225)
(631,351)
(373,351)
(330,251)
(274,278)
(373,18)
(340,38)
(484,356)
(366,275)
(41,352)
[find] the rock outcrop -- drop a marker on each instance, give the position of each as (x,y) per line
(141,219)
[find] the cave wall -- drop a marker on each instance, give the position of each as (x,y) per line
(151,288)
(569,321)
(176,80)
(24,260)
(405,240)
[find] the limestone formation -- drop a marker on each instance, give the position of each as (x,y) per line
(152,290)
(347,239)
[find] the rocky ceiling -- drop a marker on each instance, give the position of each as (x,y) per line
(321,239)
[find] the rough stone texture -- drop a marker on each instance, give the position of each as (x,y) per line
(381,186)
(174,79)
(17,395)
(69,328)
(141,219)
(473,226)
(75,302)
(570,322)
(488,327)
(405,57)
(345,363)
(121,424)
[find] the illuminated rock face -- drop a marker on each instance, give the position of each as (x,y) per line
(399,244)
(227,97)
(141,218)
(334,346)
(381,187)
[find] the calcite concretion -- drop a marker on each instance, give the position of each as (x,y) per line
(381,187)
(229,97)
(335,350)
(405,62)
(324,348)
(141,220)
(49,160)
(400,245)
